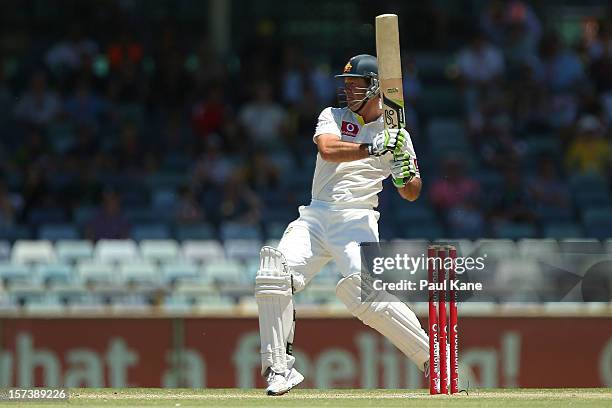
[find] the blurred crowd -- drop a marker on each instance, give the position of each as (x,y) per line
(107,130)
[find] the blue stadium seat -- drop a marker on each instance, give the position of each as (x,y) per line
(55,272)
(11,273)
(275,230)
(225,272)
(116,250)
(234,230)
(160,250)
(95,272)
(5,250)
(180,271)
(593,199)
(195,231)
(516,231)
(587,182)
(71,251)
(242,249)
(203,250)
(530,247)
(598,222)
(559,230)
(15,232)
(141,273)
(150,231)
(56,232)
(29,251)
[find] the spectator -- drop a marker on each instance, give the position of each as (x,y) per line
(456,196)
(454,188)
(109,222)
(73,52)
(264,120)
(84,107)
(510,203)
(8,209)
(480,68)
(208,115)
(39,105)
(589,151)
(239,203)
(564,77)
(188,210)
(547,192)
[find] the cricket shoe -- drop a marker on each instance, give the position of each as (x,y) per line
(279,384)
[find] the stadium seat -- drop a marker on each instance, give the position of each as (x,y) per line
(56,272)
(581,246)
(84,214)
(195,231)
(515,231)
(608,246)
(49,303)
(203,251)
(272,242)
(587,182)
(159,250)
(242,249)
(498,248)
(25,292)
(92,272)
(234,230)
(593,199)
(180,271)
(114,250)
(598,222)
(275,230)
(225,272)
(15,232)
(11,273)
(142,273)
(164,199)
(71,251)
(5,250)
(560,230)
(25,251)
(150,231)
(519,280)
(537,247)
(54,232)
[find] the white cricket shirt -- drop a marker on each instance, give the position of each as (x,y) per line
(356,182)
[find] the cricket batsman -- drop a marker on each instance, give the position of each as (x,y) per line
(355,155)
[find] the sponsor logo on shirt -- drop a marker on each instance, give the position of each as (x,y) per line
(349,129)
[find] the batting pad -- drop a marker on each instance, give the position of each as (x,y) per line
(274,296)
(389,316)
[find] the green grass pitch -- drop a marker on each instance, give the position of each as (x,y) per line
(156,397)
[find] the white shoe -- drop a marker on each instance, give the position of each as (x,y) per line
(279,384)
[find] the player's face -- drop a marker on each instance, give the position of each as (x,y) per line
(355,91)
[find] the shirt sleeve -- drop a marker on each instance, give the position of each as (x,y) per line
(326,124)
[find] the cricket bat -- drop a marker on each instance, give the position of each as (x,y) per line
(390,70)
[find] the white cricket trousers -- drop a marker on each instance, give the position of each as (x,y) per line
(327,231)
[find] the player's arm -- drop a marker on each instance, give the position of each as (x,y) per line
(411,190)
(332,149)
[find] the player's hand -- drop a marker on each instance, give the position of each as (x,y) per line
(387,141)
(402,139)
(403,169)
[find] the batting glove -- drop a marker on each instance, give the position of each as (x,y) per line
(386,141)
(403,169)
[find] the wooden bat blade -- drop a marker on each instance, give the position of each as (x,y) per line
(390,70)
